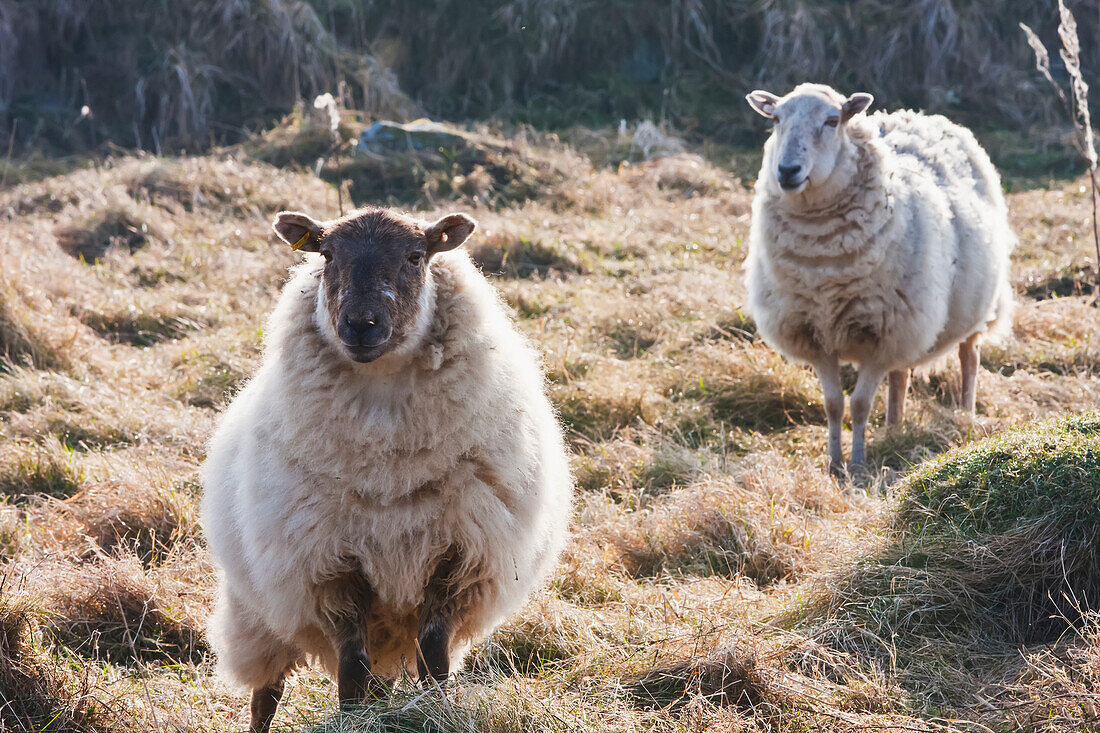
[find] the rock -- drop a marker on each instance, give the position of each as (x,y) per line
(417,135)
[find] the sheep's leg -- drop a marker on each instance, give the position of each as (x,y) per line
(968,355)
(344,602)
(863,398)
(433,657)
(353,676)
(265,701)
(828,373)
(895,403)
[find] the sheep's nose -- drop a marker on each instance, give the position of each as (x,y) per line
(364,331)
(787,172)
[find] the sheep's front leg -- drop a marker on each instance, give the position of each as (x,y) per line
(433,638)
(265,701)
(344,602)
(863,398)
(895,402)
(828,373)
(968,355)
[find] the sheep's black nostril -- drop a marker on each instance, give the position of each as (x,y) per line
(789,171)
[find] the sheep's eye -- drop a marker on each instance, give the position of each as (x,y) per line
(775,120)
(327,254)
(832,121)
(415,258)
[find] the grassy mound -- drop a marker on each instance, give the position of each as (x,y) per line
(997,540)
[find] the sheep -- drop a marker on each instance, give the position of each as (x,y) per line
(881,240)
(393,481)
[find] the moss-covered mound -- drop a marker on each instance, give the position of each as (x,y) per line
(998,539)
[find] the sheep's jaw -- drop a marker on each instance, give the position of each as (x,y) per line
(366,354)
(794,188)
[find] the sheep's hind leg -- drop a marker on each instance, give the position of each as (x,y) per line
(968,355)
(863,398)
(828,373)
(895,402)
(265,701)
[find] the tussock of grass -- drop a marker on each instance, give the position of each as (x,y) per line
(81,416)
(147,521)
(711,529)
(728,677)
(598,414)
(114,609)
(751,526)
(1057,336)
(753,389)
(548,635)
(904,446)
(997,540)
(465,708)
(36,692)
(20,339)
(634,462)
(215,383)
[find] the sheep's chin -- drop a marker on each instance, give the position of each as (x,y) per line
(795,190)
(361,355)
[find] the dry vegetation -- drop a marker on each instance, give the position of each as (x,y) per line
(718,579)
(179,75)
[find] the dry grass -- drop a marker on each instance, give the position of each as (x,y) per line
(706,523)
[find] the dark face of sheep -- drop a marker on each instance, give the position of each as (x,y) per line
(808,133)
(376,268)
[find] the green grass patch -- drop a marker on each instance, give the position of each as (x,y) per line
(998,541)
(48,469)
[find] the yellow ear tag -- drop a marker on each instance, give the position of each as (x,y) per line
(298,245)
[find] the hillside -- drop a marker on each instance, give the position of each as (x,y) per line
(713,582)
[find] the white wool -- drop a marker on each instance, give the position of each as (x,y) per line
(901,254)
(321,463)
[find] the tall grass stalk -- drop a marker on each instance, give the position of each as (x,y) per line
(1077,103)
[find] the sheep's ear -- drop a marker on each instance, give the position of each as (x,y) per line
(449,232)
(763,102)
(854,105)
(300,231)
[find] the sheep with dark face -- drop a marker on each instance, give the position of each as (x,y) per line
(393,481)
(881,240)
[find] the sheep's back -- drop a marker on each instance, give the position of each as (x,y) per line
(935,147)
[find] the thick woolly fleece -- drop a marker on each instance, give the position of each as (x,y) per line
(899,256)
(322,466)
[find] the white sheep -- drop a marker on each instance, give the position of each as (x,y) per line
(881,240)
(393,481)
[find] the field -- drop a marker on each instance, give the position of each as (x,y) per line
(717,578)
